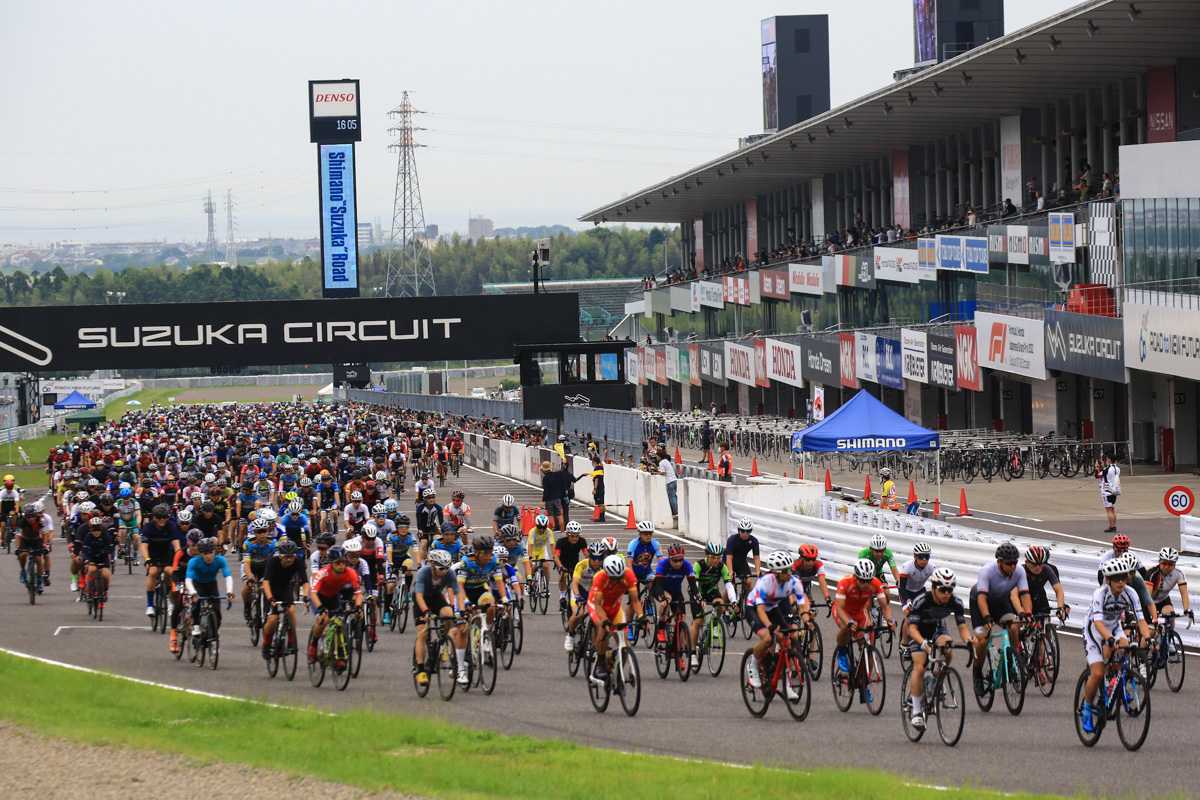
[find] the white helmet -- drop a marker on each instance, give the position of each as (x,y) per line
(944,576)
(1114,566)
(356,497)
(440,558)
(295,507)
(508,500)
(614,565)
(779,560)
(500,552)
(922,549)
(209,478)
(378,510)
(645,526)
(369,530)
(1168,554)
(745,524)
(878,542)
(573,527)
(353,546)
(184,516)
(267,514)
(425,494)
(864,569)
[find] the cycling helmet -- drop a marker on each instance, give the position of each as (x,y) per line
(425,495)
(745,524)
(501,553)
(878,542)
(541,521)
(1036,554)
(676,549)
(295,507)
(483,541)
(92,482)
(645,526)
(160,511)
(260,524)
(714,549)
(1131,561)
(194,536)
(440,559)
(381,476)
(209,477)
(886,472)
(147,483)
(208,505)
(82,495)
(1168,554)
(127,492)
(614,566)
(184,516)
(306,482)
(610,543)
(268,514)
(921,549)
(1114,566)
(352,546)
(208,545)
(1007,552)
(778,560)
(369,530)
(864,569)
(509,531)
(96,522)
(574,527)
(597,550)
(222,483)
(508,500)
(457,495)
(402,520)
(390,506)
(326,539)
(1120,542)
(378,510)
(86,507)
(106,499)
(286,548)
(808,551)
(336,554)
(356,496)
(944,576)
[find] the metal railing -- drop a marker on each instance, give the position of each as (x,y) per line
(604,425)
(1171,293)
(476,407)
(1030,302)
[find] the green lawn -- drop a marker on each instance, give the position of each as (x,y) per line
(414,755)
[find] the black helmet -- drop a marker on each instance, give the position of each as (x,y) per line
(483,541)
(208,545)
(1007,552)
(286,548)
(194,536)
(327,539)
(106,499)
(403,520)
(208,505)
(160,511)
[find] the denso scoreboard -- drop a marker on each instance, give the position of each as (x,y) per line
(333,112)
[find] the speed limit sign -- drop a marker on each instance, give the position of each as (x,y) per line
(1179,500)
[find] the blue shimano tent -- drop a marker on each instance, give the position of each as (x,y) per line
(74,400)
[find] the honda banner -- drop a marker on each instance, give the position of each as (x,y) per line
(1086,344)
(694,364)
(783,362)
(660,366)
(864,357)
(712,294)
(887,362)
(1163,340)
(941,362)
(1012,344)
(966,358)
(914,348)
(739,363)
(821,362)
(773,284)
(807,279)
(846,348)
(898,264)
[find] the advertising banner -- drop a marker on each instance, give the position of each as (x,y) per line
(1062,238)
(783,362)
(333,112)
(339,220)
(671,357)
(901,214)
(888,362)
(685,365)
(761,376)
(631,366)
(864,357)
(681,298)
(698,240)
(1160,104)
(966,358)
(712,294)
(807,279)
(962,253)
(1012,344)
(694,306)
(914,348)
(1086,344)
(846,350)
(752,226)
(941,362)
(660,366)
(856,271)
(172,335)
(1011,187)
(822,363)
(739,363)
(1019,244)
(1164,340)
(897,264)
(641,366)
(694,364)
(773,284)
(818,403)
(736,290)
(927,255)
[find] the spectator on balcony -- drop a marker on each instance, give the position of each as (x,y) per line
(972,217)
(1031,188)
(1008,210)
(1106,185)
(1041,201)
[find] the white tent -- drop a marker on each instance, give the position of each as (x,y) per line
(326,392)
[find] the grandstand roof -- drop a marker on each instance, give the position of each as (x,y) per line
(1123,47)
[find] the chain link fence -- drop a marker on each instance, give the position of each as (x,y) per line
(477,407)
(606,426)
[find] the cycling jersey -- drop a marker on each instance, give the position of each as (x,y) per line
(423,583)
(1037,587)
(257,553)
(769,592)
(356,513)
(913,578)
(397,546)
(329,495)
(586,575)
(887,559)
(96,549)
(279,578)
(643,556)
(606,592)
(295,528)
(127,509)
(471,573)
(200,572)
(855,600)
(711,580)
(671,577)
(516,553)
(996,586)
(429,518)
(328,583)
(739,550)
(506,515)
(1111,609)
(453,548)
(1161,583)
(568,554)
(458,515)
(930,616)
(807,576)
(540,537)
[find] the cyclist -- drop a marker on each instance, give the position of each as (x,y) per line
(991,601)
(911,582)
(127,517)
(244,505)
(95,551)
(255,555)
(10,496)
(34,532)
(667,588)
(853,596)
(264,491)
(355,513)
(330,585)
(430,521)
(179,567)
(294,525)
(160,537)
(773,589)
(566,555)
(382,523)
(450,543)
(609,588)
(738,549)
(398,553)
(716,584)
(281,571)
(506,513)
(541,539)
(477,574)
(1165,577)
(430,585)
(375,554)
(201,580)
(1103,631)
(887,491)
(320,555)
(517,558)
(326,502)
(877,550)
(1120,547)
(581,584)
(458,514)
(1040,573)
(421,486)
(808,569)
(926,623)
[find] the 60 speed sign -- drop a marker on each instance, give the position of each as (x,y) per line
(1179,500)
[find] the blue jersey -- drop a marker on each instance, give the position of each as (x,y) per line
(258,553)
(516,553)
(453,548)
(199,572)
(471,573)
(674,576)
(642,556)
(399,545)
(294,528)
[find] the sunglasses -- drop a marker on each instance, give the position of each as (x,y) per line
(922,558)
(1009,563)
(945,589)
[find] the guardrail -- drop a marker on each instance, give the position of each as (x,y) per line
(841,530)
(606,426)
(439,404)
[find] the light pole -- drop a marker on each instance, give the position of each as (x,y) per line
(7,404)
(119,295)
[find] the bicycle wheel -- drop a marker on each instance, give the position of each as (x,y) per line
(181,635)
(715,645)
(843,694)
(950,705)
(683,651)
(447,668)
(518,631)
(193,642)
(662,656)
(401,615)
(628,681)
(1089,739)
(599,691)
(212,641)
(316,668)
(504,643)
(886,642)
(255,623)
(756,699)
(160,608)
(797,687)
(816,653)
(342,658)
(1014,682)
(354,645)
(988,697)
(565,616)
(876,679)
(276,646)
(290,649)
(487,662)
(1045,661)
(1133,709)
(369,628)
(913,733)
(1176,667)
(576,654)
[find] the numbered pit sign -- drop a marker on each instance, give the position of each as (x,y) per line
(1179,500)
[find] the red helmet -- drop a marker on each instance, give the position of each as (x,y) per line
(808,551)
(1120,542)
(675,550)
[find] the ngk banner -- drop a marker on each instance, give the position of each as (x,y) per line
(887,362)
(966,358)
(783,362)
(864,357)
(761,376)
(170,335)
(694,364)
(660,367)
(915,349)
(846,350)
(739,363)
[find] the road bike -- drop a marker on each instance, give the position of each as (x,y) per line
(183,628)
(481,653)
(1001,669)
(1040,653)
(783,671)
(673,644)
(507,632)
(440,659)
(206,646)
(943,698)
(581,645)
(1123,696)
(865,675)
(812,646)
(538,587)
(257,612)
(158,622)
(885,638)
(283,644)
(97,596)
(401,605)
(1166,653)
(710,644)
(621,677)
(335,652)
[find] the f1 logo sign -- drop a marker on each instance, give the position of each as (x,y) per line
(996,348)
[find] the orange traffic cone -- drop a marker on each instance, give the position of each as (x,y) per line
(937,507)
(963,511)
(678,460)
(828,482)
(785,473)
(711,465)
(799,472)
(631,522)
(867,489)
(754,467)
(912,492)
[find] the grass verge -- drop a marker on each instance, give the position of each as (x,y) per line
(407,754)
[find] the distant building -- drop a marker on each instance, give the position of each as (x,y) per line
(480,228)
(366,235)
(431,231)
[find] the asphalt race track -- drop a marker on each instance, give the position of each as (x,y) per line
(705,717)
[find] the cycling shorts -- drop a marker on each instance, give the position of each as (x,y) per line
(998,606)
(7,506)
(537,553)
(162,554)
(777,615)
(615,614)
(435,602)
(31,545)
(677,599)
(477,594)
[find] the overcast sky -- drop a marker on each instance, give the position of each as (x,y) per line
(120,116)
